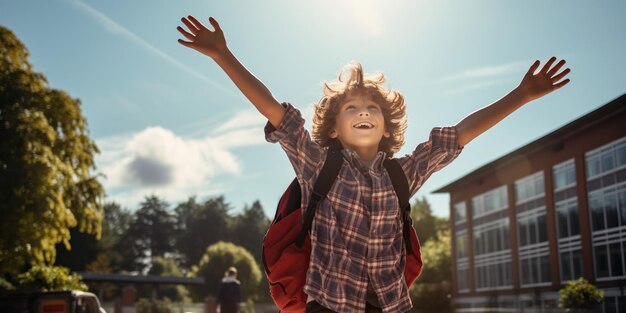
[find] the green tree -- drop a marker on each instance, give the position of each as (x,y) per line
(150,234)
(437,259)
(193,234)
(46,164)
(216,260)
(430,292)
(49,278)
(426,224)
(144,305)
(580,294)
(84,251)
(167,267)
(117,221)
(249,228)
(248,231)
(86,248)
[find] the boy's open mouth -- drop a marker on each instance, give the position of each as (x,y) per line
(364,125)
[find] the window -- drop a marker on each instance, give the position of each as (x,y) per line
(602,261)
(491,201)
(492,237)
(564,175)
(606,158)
(532,227)
(460,212)
(617,269)
(596,206)
(607,207)
(494,275)
(568,223)
(530,187)
(535,270)
(463,279)
(461,245)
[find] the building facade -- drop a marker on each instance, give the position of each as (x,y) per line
(545,214)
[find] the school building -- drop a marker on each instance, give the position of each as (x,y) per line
(545,214)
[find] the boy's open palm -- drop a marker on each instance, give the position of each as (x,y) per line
(545,81)
(201,39)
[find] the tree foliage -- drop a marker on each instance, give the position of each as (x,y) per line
(249,228)
(431,291)
(426,224)
(150,234)
(49,278)
(46,164)
(248,231)
(199,226)
(216,260)
(580,294)
(167,267)
(437,259)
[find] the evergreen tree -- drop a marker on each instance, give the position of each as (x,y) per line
(150,234)
(249,229)
(199,226)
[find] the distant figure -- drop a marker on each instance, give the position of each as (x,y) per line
(229,295)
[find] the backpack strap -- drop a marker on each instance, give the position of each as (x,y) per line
(325,180)
(401,186)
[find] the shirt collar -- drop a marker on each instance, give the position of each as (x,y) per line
(353,158)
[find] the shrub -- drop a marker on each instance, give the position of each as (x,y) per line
(580,294)
(216,260)
(49,278)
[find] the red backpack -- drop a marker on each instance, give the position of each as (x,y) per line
(287,246)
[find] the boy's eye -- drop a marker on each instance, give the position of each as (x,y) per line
(350,107)
(373,107)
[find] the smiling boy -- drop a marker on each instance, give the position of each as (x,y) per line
(357,250)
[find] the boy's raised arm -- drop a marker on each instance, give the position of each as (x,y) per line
(213,44)
(533,86)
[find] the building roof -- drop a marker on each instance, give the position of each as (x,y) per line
(151,279)
(555,139)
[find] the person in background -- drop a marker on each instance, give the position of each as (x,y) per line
(229,295)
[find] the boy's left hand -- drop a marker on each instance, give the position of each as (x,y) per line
(545,81)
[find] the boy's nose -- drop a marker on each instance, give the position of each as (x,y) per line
(364,113)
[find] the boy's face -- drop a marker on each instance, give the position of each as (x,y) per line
(360,124)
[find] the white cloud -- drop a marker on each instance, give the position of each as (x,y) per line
(473,86)
(488,72)
(482,77)
(243,119)
(157,161)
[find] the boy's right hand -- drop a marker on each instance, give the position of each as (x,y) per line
(201,39)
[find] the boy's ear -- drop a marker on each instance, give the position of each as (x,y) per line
(386,134)
(333,134)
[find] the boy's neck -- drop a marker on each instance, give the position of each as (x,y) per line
(366,156)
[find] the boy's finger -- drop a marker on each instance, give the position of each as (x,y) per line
(533,68)
(545,68)
(196,22)
(561,84)
(561,75)
(214,23)
(556,68)
(185,43)
(190,25)
(185,33)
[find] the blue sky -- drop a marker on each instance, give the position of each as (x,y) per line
(169,122)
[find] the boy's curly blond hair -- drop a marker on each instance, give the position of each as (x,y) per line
(352,82)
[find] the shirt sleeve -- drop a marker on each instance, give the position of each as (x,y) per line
(441,148)
(305,155)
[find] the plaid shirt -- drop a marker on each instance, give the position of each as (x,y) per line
(356,235)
